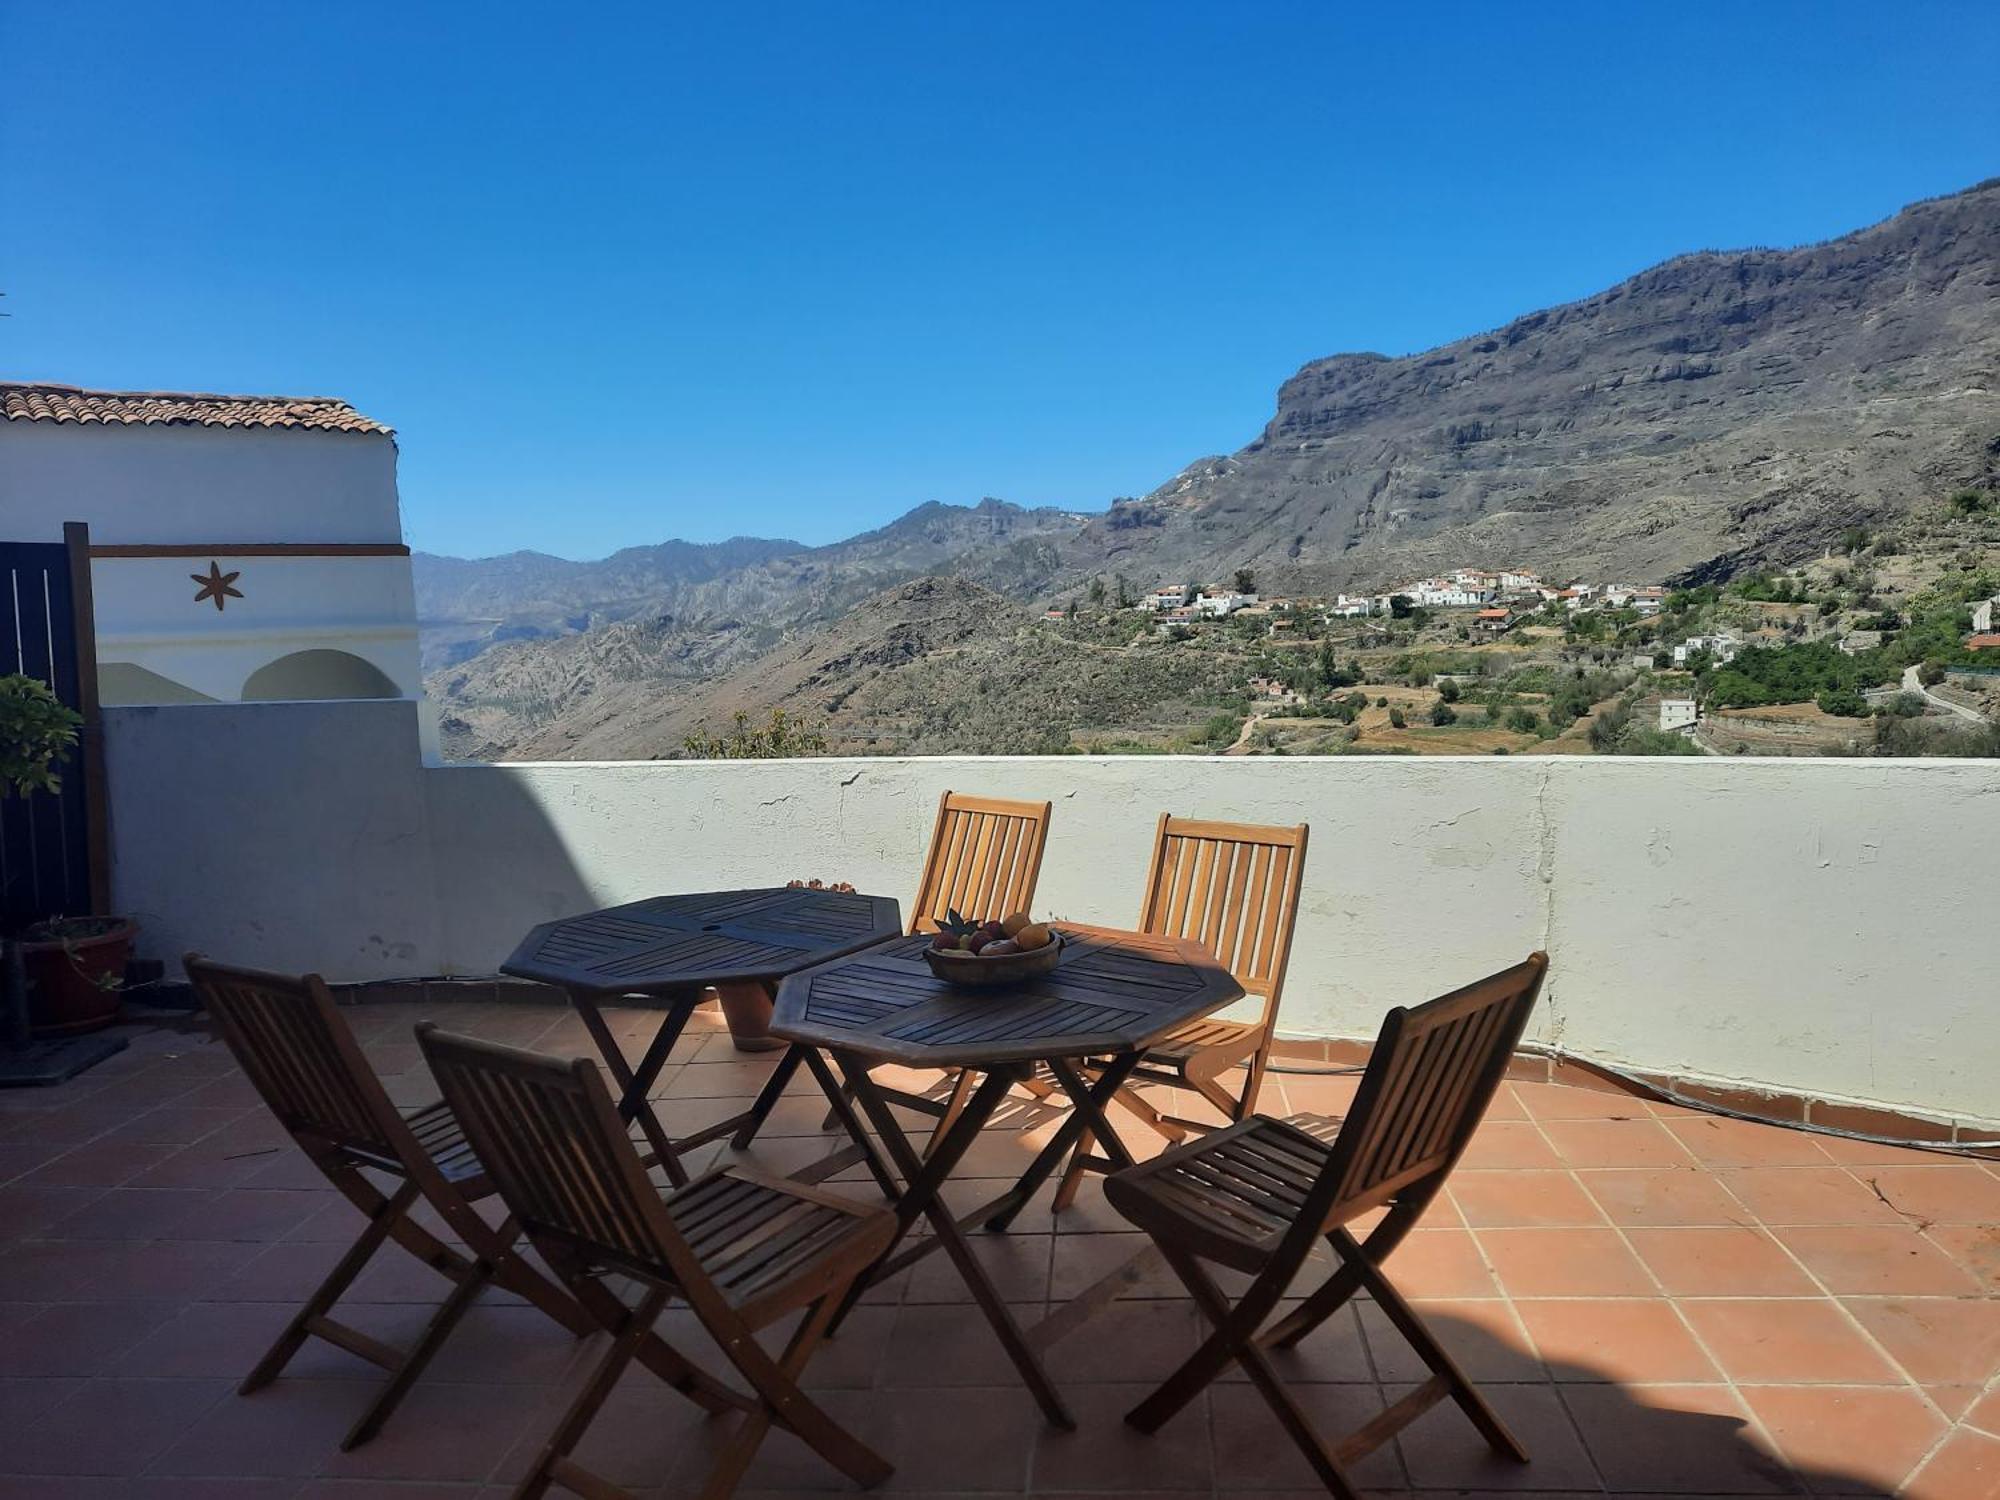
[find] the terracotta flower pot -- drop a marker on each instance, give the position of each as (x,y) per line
(747,1009)
(74,974)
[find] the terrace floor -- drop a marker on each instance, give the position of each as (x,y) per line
(1660,1301)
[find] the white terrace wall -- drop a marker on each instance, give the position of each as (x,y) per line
(1804,925)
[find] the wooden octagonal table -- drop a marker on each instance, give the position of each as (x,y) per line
(1111,995)
(673,948)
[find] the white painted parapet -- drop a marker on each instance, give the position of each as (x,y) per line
(1794,924)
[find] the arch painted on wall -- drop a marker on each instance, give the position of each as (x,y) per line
(123,683)
(319,674)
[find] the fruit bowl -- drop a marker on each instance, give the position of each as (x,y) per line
(972,971)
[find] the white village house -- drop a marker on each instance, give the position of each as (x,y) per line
(1166,596)
(1721,648)
(243,548)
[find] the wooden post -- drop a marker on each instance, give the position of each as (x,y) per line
(90,739)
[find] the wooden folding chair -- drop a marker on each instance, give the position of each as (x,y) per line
(1255,1196)
(289,1038)
(740,1248)
(984,858)
(1234,887)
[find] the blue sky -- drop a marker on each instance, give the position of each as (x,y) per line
(620,273)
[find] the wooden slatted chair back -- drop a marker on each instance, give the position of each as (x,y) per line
(287,1035)
(553,1145)
(985,856)
(1433,1072)
(1234,888)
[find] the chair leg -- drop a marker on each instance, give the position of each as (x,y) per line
(776,1382)
(1430,1351)
(382,1220)
(442,1322)
(954,1106)
(655,1353)
(1072,1177)
(1134,1103)
(553,1464)
(1235,1338)
(1232,1326)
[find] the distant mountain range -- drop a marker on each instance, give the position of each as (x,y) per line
(468,605)
(1722,410)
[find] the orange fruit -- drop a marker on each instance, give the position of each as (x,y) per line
(1034,935)
(1013,925)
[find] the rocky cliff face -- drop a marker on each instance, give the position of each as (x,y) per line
(1719,409)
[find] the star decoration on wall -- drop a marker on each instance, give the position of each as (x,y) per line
(216,584)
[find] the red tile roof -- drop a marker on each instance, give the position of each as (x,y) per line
(1983,642)
(40,401)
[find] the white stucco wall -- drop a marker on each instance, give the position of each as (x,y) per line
(1794,924)
(203,486)
(148,615)
(196,484)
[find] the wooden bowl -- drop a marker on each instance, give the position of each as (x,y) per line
(970,971)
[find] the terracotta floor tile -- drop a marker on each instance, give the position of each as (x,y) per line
(1871,1261)
(1555,1101)
(1142,1340)
(1445,1451)
(1675,1439)
(1967,1467)
(1717,1141)
(1018,1265)
(24,1400)
(1789,1341)
(1522,1198)
(1726,1262)
(130,1214)
(1253,1453)
(99,1165)
(1875,1153)
(1083,1259)
(1626,1340)
(454,1432)
(110,1426)
(1566,1262)
(1484,1337)
(288,1428)
(1939,1340)
(79,1338)
(1976,1247)
(1663,1197)
(1949,1193)
(978,1439)
(1510,1145)
(1441,1263)
(1333,1353)
(27,1209)
(1848,1440)
(1985,1412)
(1104,1454)
(1806,1195)
(1616,1143)
(1507,1105)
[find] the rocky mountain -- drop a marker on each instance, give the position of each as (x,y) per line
(1722,409)
(938,664)
(469,605)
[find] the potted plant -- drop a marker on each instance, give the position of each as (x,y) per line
(74,966)
(747,1007)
